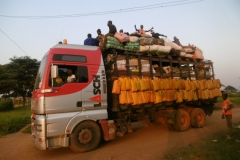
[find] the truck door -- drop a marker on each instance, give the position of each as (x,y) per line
(94,96)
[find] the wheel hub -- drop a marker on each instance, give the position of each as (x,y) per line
(182,120)
(199,117)
(85,136)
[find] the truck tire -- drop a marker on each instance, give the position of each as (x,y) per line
(182,121)
(86,136)
(198,118)
(189,111)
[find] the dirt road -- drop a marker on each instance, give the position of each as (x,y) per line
(150,142)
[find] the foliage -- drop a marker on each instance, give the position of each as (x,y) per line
(6,104)
(17,77)
(12,121)
(27,129)
(216,147)
(5,81)
(230,88)
(233,97)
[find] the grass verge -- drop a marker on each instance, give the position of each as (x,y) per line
(27,129)
(216,147)
(12,121)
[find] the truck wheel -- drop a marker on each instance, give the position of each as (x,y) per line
(198,118)
(85,137)
(189,110)
(182,121)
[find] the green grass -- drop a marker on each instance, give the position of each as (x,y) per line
(27,129)
(232,99)
(216,147)
(12,121)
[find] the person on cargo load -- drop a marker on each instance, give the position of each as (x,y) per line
(112,31)
(176,40)
(71,77)
(156,35)
(142,32)
(90,41)
(227,113)
(99,37)
(121,31)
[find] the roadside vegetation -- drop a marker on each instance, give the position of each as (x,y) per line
(216,147)
(234,98)
(14,120)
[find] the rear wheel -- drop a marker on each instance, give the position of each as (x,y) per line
(85,137)
(198,118)
(182,121)
(189,111)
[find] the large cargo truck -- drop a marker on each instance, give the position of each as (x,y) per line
(112,89)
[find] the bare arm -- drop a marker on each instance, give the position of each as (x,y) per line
(135,27)
(149,29)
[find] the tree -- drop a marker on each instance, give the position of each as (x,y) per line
(230,88)
(5,81)
(20,76)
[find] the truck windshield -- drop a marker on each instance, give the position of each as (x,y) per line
(40,73)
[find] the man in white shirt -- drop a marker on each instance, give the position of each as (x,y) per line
(71,77)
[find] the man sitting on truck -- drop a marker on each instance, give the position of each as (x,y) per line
(142,32)
(71,77)
(90,41)
(112,31)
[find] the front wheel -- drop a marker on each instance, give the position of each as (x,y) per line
(85,137)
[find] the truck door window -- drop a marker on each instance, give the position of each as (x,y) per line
(80,72)
(82,75)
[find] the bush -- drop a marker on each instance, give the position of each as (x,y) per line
(14,120)
(6,105)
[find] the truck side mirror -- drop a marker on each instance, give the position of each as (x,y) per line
(54,71)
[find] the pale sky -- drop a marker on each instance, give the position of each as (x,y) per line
(212,25)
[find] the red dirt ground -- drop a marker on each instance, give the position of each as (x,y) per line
(147,143)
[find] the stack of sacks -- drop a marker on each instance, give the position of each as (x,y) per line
(192,52)
(133,64)
(147,45)
(173,45)
(131,46)
(121,64)
(175,49)
(121,37)
(198,54)
(138,91)
(113,43)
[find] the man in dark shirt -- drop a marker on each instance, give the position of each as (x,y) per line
(112,28)
(90,41)
(156,35)
(112,31)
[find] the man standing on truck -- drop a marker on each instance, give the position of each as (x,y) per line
(90,41)
(227,113)
(99,37)
(112,31)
